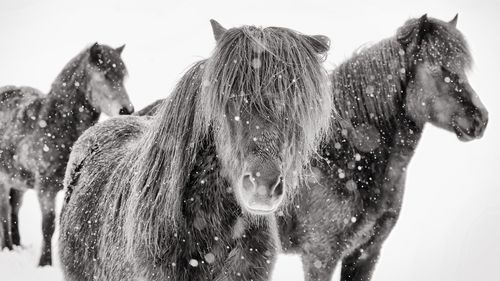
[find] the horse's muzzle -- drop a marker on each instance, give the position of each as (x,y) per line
(469,129)
(262,193)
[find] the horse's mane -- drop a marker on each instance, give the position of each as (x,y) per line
(269,70)
(160,164)
(73,71)
(366,87)
(370,86)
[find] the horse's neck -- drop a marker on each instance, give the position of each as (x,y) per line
(67,108)
(391,182)
(405,137)
(369,93)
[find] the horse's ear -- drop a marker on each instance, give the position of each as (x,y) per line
(414,33)
(320,43)
(453,22)
(217,29)
(120,49)
(95,52)
(423,28)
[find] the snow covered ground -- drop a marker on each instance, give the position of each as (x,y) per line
(450,223)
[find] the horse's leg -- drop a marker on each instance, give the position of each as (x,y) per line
(47,204)
(360,265)
(5,217)
(254,253)
(318,266)
(16,199)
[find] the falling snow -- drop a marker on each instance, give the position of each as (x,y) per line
(193,263)
(256,63)
(209,258)
(42,123)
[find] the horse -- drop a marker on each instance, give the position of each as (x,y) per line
(384,94)
(189,192)
(38,131)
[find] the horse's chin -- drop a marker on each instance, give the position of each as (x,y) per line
(260,212)
(261,207)
(464,134)
(467,129)
(255,205)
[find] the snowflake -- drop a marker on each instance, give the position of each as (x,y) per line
(209,258)
(42,123)
(256,63)
(193,263)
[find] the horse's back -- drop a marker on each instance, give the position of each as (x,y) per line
(12,97)
(103,144)
(19,110)
(92,162)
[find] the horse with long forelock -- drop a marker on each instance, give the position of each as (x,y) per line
(188,194)
(385,94)
(37,132)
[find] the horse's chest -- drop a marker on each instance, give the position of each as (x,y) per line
(350,191)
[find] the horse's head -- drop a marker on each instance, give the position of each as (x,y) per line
(266,97)
(438,90)
(106,72)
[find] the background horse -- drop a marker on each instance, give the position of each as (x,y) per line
(188,194)
(37,132)
(386,94)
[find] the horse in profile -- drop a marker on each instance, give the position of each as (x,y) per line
(385,95)
(189,193)
(38,131)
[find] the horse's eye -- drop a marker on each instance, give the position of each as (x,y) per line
(434,69)
(109,76)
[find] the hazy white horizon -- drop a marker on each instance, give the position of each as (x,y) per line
(450,223)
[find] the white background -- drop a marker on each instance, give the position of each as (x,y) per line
(450,225)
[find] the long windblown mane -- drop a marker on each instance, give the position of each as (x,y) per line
(370,86)
(248,67)
(162,161)
(367,87)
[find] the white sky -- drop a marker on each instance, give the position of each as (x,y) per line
(450,223)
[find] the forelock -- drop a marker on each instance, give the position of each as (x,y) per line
(272,71)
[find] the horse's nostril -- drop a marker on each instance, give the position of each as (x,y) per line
(124,111)
(278,188)
(483,120)
(248,182)
(480,123)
